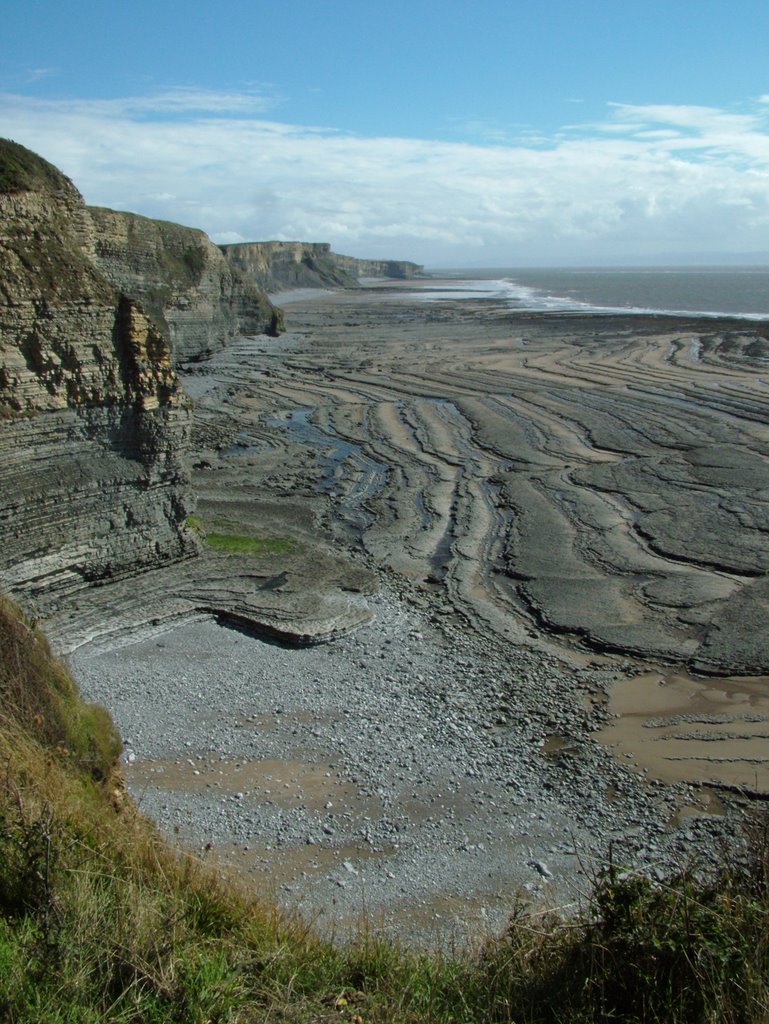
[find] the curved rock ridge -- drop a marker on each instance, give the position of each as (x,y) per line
(93,422)
(200,298)
(602,480)
(283,265)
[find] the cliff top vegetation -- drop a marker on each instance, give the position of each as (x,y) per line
(23,170)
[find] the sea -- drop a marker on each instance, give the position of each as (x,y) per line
(705,291)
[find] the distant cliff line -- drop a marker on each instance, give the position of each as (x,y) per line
(276,266)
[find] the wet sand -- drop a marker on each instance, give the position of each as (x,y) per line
(677,727)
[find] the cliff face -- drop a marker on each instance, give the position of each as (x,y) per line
(92,420)
(397,269)
(279,265)
(196,295)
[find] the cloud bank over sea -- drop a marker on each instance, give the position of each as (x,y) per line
(646,181)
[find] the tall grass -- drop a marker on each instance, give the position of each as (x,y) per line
(100,920)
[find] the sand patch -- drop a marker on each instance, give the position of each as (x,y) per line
(679,728)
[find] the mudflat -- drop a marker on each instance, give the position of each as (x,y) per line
(566,515)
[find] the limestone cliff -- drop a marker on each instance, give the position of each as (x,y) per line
(280,265)
(396,269)
(200,298)
(92,419)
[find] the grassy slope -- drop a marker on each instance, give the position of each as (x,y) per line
(22,170)
(101,921)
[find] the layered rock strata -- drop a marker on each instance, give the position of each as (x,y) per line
(92,420)
(200,298)
(96,307)
(276,266)
(398,270)
(603,480)
(518,470)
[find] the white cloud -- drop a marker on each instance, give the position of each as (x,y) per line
(649,179)
(36,74)
(187,100)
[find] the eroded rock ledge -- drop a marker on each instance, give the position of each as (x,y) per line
(597,481)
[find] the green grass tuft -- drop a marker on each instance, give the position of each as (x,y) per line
(38,694)
(239,544)
(196,523)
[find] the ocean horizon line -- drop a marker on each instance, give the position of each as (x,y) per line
(727,291)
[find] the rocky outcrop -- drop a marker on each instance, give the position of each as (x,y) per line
(92,420)
(280,265)
(199,298)
(90,495)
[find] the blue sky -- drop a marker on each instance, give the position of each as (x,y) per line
(484,134)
